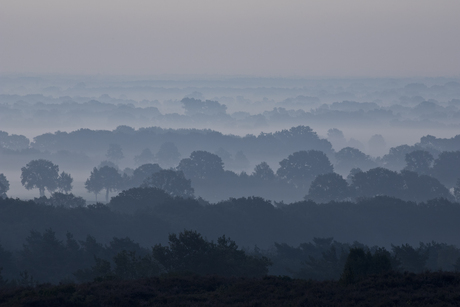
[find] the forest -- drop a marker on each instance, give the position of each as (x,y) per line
(420,172)
(301,240)
(282,198)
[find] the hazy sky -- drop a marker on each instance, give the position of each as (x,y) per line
(250,37)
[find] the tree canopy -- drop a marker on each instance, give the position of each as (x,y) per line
(172,182)
(419,161)
(201,165)
(106,178)
(40,174)
(302,167)
(328,187)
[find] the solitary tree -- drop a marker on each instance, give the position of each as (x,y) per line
(41,174)
(111,180)
(94,184)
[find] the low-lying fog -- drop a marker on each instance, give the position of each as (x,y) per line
(372,115)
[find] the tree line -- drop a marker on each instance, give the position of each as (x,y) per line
(46,259)
(303,174)
(148,215)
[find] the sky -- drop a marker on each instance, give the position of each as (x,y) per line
(353,38)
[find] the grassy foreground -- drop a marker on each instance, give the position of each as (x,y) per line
(392,289)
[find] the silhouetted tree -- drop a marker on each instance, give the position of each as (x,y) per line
(422,187)
(143,172)
(65,183)
(395,159)
(13,141)
(201,165)
(328,187)
(263,172)
(349,158)
(419,161)
(172,182)
(110,180)
(41,174)
(94,183)
(302,167)
(377,181)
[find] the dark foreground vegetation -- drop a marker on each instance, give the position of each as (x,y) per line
(389,289)
(148,215)
(44,258)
